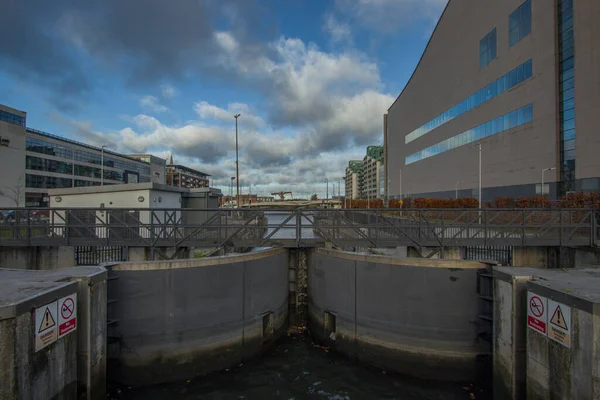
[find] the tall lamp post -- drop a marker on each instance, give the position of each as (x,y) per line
(456,188)
(237,166)
(231,189)
(102,166)
(400,188)
(327,192)
(480,199)
(542,187)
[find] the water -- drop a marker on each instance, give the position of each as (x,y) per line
(288,230)
(296,368)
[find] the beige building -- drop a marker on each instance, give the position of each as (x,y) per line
(518,77)
(373,173)
(354,179)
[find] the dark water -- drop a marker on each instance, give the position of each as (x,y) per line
(296,368)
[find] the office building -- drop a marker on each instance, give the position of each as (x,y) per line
(518,78)
(33,161)
(182,176)
(158,166)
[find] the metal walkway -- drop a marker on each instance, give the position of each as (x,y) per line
(218,228)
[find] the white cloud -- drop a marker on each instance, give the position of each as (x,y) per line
(153,104)
(167,91)
(209,111)
(339,32)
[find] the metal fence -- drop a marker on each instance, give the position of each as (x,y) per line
(157,228)
(96,255)
(501,254)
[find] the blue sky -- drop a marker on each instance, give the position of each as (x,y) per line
(311,78)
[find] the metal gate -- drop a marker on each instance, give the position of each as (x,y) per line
(92,255)
(501,254)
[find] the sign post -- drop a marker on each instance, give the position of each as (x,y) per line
(559,328)
(46,318)
(67,315)
(537,313)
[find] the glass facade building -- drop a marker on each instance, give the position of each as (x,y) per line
(566,94)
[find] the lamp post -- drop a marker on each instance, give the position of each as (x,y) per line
(327,192)
(237,166)
(231,189)
(102,166)
(456,188)
(480,199)
(542,187)
(400,184)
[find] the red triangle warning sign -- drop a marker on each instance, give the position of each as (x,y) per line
(558,319)
(47,321)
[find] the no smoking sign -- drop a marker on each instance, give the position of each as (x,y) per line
(67,315)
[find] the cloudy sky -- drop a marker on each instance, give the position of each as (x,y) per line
(311,78)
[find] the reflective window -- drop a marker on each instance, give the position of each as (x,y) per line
(511,120)
(39,181)
(487,49)
(519,23)
(81,183)
(44,147)
(43,164)
(567,94)
(506,82)
(84,170)
(11,118)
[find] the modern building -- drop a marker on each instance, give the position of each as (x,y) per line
(182,176)
(158,166)
(33,161)
(373,173)
(518,80)
(354,179)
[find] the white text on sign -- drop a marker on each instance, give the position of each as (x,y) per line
(537,312)
(67,315)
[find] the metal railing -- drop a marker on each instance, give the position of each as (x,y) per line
(157,228)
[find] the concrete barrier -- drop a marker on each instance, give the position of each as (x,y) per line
(72,367)
(413,316)
(180,319)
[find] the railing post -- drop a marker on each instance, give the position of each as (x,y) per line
(485,228)
(593,228)
(298,228)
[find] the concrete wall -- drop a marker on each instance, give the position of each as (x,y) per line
(90,337)
(26,374)
(180,319)
(414,316)
(449,72)
(35,257)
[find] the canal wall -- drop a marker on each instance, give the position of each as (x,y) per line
(414,316)
(179,319)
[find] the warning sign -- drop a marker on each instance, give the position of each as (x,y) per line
(559,328)
(67,318)
(537,312)
(46,325)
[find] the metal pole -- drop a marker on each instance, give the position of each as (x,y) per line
(237,166)
(400,184)
(480,199)
(102,166)
(327,193)
(542,187)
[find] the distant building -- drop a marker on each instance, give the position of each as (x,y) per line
(184,177)
(33,161)
(373,170)
(354,179)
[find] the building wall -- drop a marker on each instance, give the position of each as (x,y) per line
(12,161)
(448,73)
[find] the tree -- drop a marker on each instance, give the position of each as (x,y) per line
(314,197)
(16,193)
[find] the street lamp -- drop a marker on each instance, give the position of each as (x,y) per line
(400,184)
(231,189)
(542,187)
(480,199)
(237,166)
(456,188)
(327,193)
(102,166)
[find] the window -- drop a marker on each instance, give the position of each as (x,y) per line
(503,123)
(519,23)
(52,149)
(42,164)
(502,84)
(487,49)
(39,181)
(11,118)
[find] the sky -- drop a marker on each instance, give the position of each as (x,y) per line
(310,78)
